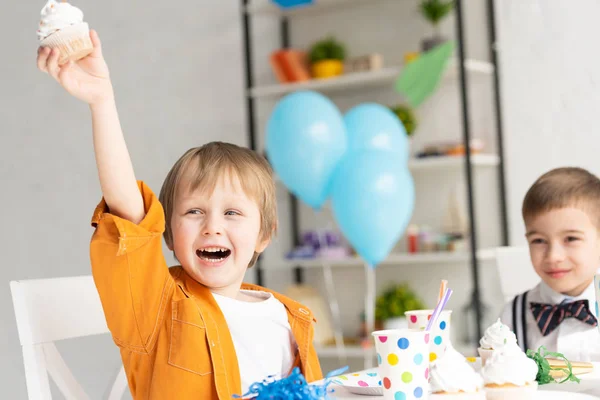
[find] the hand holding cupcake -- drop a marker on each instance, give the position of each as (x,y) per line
(61,26)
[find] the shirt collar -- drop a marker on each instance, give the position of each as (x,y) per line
(550,296)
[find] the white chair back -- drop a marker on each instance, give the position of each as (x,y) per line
(54,309)
(515,271)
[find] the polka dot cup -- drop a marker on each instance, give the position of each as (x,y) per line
(440,332)
(402,363)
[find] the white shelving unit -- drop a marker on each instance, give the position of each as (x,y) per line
(394,259)
(422,168)
(384,76)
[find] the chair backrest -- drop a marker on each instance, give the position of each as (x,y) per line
(54,309)
(515,271)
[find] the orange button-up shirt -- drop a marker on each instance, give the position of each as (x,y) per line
(173,337)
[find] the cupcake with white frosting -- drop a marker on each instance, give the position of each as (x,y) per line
(495,338)
(452,378)
(510,374)
(61,26)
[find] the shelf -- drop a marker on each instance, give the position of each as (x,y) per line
(393,259)
(445,162)
(266,7)
(384,76)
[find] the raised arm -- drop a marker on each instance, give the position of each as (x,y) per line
(88,80)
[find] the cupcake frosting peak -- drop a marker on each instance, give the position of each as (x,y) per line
(452,374)
(510,365)
(497,336)
(56,16)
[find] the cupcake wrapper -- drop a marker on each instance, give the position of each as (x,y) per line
(513,392)
(73,42)
(485,355)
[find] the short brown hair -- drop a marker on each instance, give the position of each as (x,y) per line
(564,187)
(203,166)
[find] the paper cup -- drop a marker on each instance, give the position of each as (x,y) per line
(440,332)
(402,363)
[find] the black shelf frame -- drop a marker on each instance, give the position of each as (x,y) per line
(466,134)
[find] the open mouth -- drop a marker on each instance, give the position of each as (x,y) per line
(213,254)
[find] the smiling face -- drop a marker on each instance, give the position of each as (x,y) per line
(216,234)
(564,246)
(220,213)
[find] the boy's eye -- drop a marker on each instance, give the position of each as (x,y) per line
(572,238)
(537,241)
(231,212)
(194,212)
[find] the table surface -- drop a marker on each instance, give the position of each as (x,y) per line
(590,385)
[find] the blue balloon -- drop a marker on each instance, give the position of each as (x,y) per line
(306,139)
(371,126)
(373,200)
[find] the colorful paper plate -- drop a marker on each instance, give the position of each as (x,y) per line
(366,383)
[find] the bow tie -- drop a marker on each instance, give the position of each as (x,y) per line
(549,316)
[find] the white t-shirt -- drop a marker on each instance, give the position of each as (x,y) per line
(573,338)
(261,335)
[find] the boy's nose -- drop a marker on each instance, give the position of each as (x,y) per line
(555,253)
(212,227)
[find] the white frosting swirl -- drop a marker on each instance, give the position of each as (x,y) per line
(56,16)
(452,374)
(510,365)
(497,336)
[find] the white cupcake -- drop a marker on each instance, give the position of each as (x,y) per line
(510,374)
(495,338)
(61,26)
(452,378)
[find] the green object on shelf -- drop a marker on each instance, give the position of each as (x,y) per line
(435,10)
(406,115)
(327,49)
(395,301)
(420,77)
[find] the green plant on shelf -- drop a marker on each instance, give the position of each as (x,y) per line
(395,301)
(406,115)
(435,10)
(327,49)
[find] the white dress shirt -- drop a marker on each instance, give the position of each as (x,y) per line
(575,339)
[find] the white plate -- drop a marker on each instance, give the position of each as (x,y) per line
(366,383)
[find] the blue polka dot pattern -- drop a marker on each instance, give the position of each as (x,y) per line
(403,343)
(443,325)
(418,359)
(400,396)
(438,340)
(418,392)
(378,359)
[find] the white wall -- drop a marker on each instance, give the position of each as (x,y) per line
(550,75)
(178,76)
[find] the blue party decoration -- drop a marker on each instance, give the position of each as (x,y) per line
(285,4)
(305,141)
(373,199)
(371,126)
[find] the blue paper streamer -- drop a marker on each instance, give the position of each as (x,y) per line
(293,387)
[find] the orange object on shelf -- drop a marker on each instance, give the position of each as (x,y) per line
(290,65)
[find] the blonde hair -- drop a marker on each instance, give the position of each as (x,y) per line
(564,187)
(204,166)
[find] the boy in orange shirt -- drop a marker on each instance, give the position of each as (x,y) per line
(190,331)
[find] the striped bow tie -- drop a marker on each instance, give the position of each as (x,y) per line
(549,316)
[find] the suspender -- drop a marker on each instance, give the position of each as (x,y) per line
(519,314)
